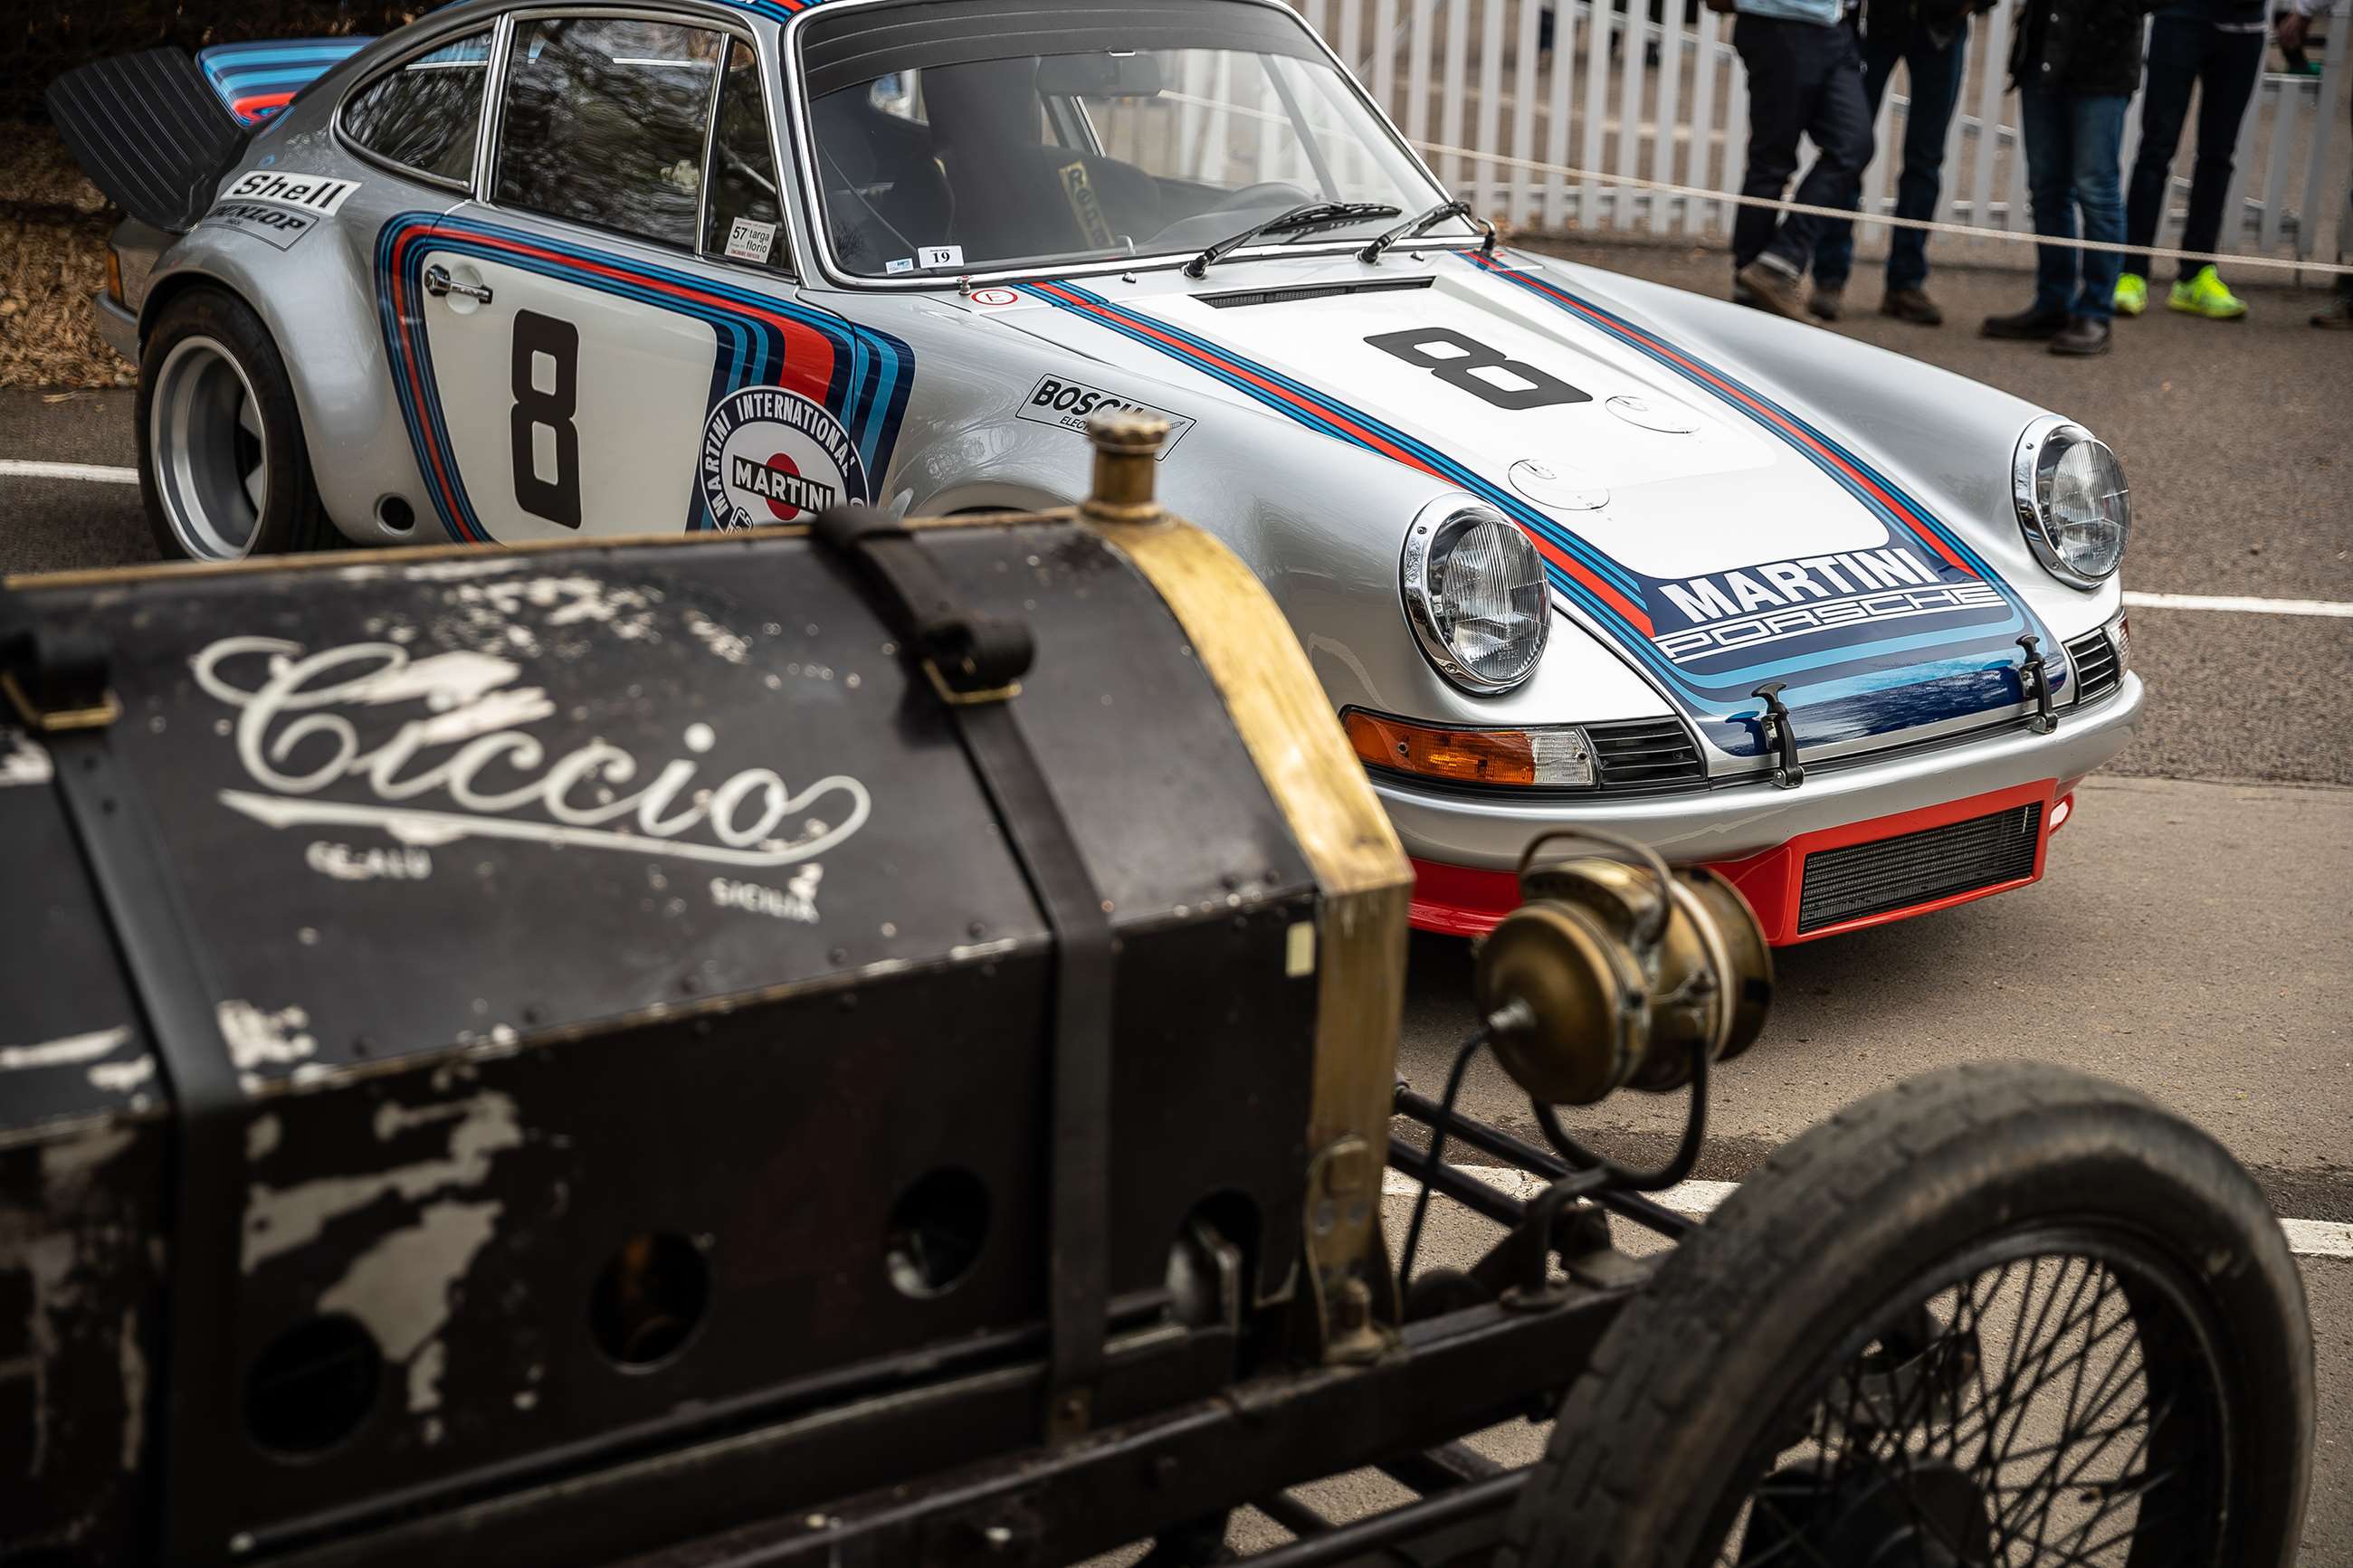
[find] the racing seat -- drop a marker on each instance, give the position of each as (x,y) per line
(1016,196)
(885,195)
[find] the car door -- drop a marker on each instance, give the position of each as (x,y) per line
(612,337)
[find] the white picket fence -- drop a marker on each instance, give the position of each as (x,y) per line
(1470,74)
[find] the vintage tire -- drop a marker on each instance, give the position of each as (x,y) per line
(1764,1317)
(223,465)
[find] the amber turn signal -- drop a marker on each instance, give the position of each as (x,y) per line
(1558,758)
(114,276)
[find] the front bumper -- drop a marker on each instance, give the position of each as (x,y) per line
(1465,847)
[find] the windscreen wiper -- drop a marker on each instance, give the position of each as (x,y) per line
(1414,228)
(1307,214)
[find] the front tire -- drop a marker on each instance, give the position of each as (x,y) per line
(223,465)
(1849,1361)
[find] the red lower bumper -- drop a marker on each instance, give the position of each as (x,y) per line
(1458,900)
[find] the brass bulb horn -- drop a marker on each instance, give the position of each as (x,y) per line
(1617,971)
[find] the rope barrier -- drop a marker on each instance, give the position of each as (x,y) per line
(1931,225)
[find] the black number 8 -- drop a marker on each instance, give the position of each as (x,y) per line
(557,500)
(1541,391)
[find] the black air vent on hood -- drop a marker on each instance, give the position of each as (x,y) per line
(1308,291)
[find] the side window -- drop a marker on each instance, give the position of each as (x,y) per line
(745,219)
(422,115)
(604,121)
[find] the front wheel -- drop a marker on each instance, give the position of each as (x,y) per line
(223,465)
(1999,1315)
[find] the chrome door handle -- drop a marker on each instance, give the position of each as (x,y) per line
(438,282)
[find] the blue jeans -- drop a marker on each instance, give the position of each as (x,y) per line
(1936,87)
(1804,78)
(2073,143)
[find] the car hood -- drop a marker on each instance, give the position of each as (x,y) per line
(1721,539)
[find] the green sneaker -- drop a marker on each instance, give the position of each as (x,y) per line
(2205,295)
(2132,294)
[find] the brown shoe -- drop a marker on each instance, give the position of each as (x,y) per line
(1826,303)
(1912,305)
(2082,337)
(2338,317)
(1772,288)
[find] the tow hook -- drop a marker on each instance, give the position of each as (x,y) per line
(2034,679)
(1780,737)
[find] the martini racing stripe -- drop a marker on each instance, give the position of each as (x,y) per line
(1597,582)
(255,81)
(1866,484)
(860,375)
(1861,652)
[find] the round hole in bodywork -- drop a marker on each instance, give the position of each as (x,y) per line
(937,1228)
(313,1386)
(648,1300)
(396,514)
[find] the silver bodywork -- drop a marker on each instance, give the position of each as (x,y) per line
(1320,519)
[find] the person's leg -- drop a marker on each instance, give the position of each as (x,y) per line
(2175,47)
(1834,241)
(2048,131)
(1935,77)
(2233,62)
(2097,145)
(1775,121)
(1840,124)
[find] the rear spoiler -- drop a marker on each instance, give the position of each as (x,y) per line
(156,132)
(149,132)
(257,79)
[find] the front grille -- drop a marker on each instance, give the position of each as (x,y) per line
(1645,753)
(2097,671)
(1876,878)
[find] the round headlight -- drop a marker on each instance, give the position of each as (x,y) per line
(2072,501)
(1475,592)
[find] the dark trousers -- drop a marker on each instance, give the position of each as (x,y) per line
(2073,141)
(2182,51)
(1803,79)
(1935,89)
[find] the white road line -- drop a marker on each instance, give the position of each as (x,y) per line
(2305,1237)
(89,473)
(2245,606)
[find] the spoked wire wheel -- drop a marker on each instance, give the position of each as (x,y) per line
(209,451)
(1999,1315)
(2054,1398)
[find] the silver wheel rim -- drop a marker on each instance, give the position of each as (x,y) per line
(208,450)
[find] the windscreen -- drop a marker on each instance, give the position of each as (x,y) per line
(1033,134)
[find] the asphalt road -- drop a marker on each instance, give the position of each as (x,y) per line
(2192,937)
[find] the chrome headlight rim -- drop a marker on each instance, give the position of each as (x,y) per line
(1431,527)
(2040,449)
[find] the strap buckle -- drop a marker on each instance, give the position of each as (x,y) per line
(974,697)
(95,715)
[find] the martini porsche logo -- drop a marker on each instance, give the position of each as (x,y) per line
(1781,600)
(455,745)
(771,456)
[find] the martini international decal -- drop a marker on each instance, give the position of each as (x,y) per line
(773,457)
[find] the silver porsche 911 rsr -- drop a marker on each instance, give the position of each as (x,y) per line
(1564,547)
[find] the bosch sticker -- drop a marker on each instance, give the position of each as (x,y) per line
(1059,401)
(771,456)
